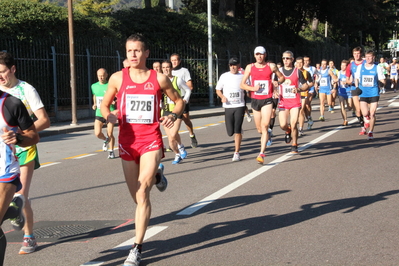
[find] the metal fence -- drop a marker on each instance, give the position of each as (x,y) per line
(45,64)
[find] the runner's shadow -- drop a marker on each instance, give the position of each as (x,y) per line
(216,234)
(218,206)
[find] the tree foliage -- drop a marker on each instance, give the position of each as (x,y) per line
(94,7)
(284,20)
(27,19)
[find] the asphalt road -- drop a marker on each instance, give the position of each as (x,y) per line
(335,203)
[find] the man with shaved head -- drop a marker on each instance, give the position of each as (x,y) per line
(98,90)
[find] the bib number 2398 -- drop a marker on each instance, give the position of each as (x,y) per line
(139,108)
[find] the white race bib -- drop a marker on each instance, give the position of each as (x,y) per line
(234,97)
(368,80)
(139,108)
(98,101)
(263,87)
(288,91)
(323,82)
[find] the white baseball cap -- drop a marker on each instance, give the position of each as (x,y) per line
(394,58)
(260,50)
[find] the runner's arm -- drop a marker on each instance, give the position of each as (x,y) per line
(168,89)
(114,83)
(245,77)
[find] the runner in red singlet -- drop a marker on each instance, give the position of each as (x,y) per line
(139,91)
(261,89)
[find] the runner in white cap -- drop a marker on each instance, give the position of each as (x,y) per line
(261,89)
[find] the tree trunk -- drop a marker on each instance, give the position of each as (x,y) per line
(162,3)
(147,3)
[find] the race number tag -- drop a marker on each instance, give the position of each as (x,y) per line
(169,101)
(139,108)
(98,101)
(234,97)
(342,83)
(288,91)
(368,81)
(323,82)
(394,70)
(263,87)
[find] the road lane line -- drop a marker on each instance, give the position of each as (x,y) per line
(80,156)
(129,243)
(48,164)
(202,203)
(149,233)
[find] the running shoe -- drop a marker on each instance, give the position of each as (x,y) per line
(168,149)
(236,157)
(321,118)
(270,132)
(18,202)
(178,159)
(261,158)
(363,131)
(310,123)
(28,246)
(366,122)
(194,142)
(183,152)
(294,149)
(345,123)
(330,109)
(383,91)
(249,117)
(269,142)
(353,114)
(288,137)
(134,258)
(105,145)
(370,136)
(300,132)
(163,183)
(111,155)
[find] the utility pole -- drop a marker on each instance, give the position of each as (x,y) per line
(72,63)
(256,22)
(210,64)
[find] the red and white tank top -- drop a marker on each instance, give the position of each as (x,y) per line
(262,76)
(286,94)
(139,106)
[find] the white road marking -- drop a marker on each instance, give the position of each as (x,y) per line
(393,99)
(202,203)
(128,244)
(83,156)
(149,233)
(48,164)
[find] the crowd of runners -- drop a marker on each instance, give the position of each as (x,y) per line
(141,100)
(290,87)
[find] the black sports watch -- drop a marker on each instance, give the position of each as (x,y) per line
(19,138)
(174,116)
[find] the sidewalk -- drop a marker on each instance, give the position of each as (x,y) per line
(88,123)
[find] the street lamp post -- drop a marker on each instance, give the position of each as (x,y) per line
(210,65)
(72,63)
